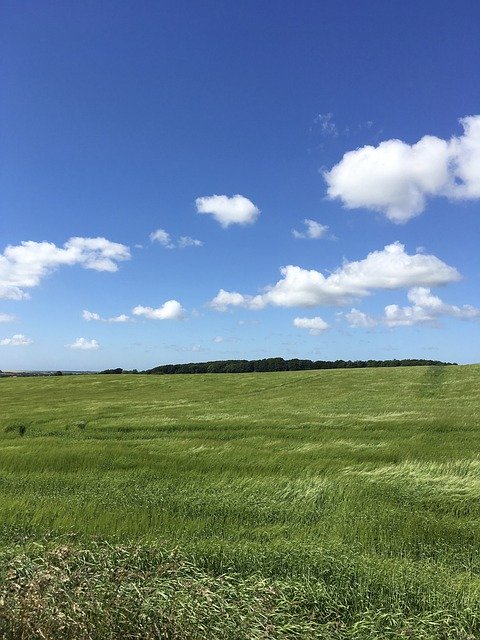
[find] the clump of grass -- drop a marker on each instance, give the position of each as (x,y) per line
(81,424)
(18,427)
(108,592)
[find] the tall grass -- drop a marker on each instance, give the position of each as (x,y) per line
(329,504)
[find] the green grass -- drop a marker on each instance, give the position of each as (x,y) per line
(328,504)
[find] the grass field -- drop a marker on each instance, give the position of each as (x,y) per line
(319,504)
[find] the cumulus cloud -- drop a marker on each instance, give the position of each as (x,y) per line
(314,230)
(390,268)
(84,344)
(18,340)
(23,266)
(426,308)
(225,299)
(6,317)
(356,319)
(90,316)
(315,325)
(396,178)
(170,310)
(227,211)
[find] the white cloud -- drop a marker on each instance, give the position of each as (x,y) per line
(84,344)
(6,317)
(23,266)
(89,316)
(170,310)
(315,325)
(225,299)
(396,178)
(121,318)
(314,230)
(426,308)
(162,237)
(18,340)
(165,239)
(218,339)
(186,241)
(227,211)
(326,125)
(390,268)
(356,319)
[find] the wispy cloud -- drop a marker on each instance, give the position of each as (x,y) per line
(90,316)
(313,230)
(18,340)
(165,239)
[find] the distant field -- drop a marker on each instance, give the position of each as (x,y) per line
(320,504)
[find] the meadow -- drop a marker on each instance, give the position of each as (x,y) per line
(336,504)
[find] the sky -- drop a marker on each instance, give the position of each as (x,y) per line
(185,181)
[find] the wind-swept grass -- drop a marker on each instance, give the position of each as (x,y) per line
(326,504)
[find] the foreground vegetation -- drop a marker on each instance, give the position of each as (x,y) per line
(319,504)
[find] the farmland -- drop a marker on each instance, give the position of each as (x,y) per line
(315,504)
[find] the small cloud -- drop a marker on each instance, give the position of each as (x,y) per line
(6,317)
(18,340)
(170,310)
(356,318)
(186,241)
(121,318)
(426,308)
(192,348)
(165,239)
(90,316)
(84,344)
(225,299)
(315,325)
(162,237)
(314,230)
(227,211)
(218,339)
(325,124)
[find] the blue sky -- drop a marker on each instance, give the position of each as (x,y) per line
(123,119)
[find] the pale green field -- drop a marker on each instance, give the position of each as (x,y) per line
(318,504)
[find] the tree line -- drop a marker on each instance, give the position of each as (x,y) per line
(279,364)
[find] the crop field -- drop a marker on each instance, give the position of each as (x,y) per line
(318,504)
